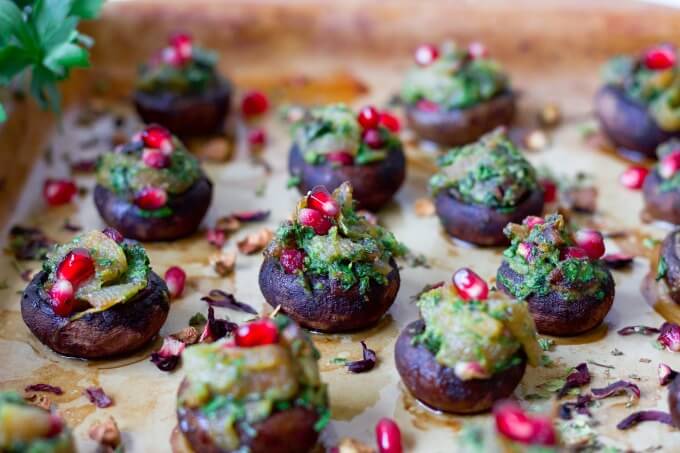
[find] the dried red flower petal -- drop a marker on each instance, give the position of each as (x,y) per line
(666,374)
(175,278)
(644,416)
(47,388)
(251,216)
(168,356)
(97,396)
(216,328)
(618,260)
(27,243)
(215,237)
(581,406)
(669,336)
(113,234)
(366,364)
(219,298)
(615,389)
(577,378)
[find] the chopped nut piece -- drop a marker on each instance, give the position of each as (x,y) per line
(216,149)
(581,199)
(188,335)
(105,432)
(550,115)
(349,445)
(424,207)
(228,224)
(255,242)
(39,400)
(223,263)
(536,140)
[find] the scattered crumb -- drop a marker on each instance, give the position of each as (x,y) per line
(424,207)
(348,445)
(39,400)
(536,140)
(645,360)
(106,433)
(223,263)
(550,115)
(216,149)
(616,352)
(255,242)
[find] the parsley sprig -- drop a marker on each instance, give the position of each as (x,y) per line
(40,44)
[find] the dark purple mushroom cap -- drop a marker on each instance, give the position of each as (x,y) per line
(669,256)
(660,204)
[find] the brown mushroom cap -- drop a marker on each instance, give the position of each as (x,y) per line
(325,306)
(628,123)
(121,329)
(461,126)
(188,210)
(374,184)
(438,386)
(288,431)
(662,205)
(554,315)
(674,400)
(480,224)
(669,253)
(188,114)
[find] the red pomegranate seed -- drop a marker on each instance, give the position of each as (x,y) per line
(591,241)
(390,121)
(368,117)
(524,250)
(169,55)
(670,164)
(151,198)
(477,50)
(175,278)
(216,237)
(292,260)
(257,137)
(181,42)
(256,333)
(573,253)
(56,425)
(532,220)
(76,267)
(549,190)
(425,54)
(254,103)
(634,177)
(155,158)
(660,57)
(513,423)
(59,191)
(388,436)
(320,199)
(157,137)
(342,158)
(470,286)
(314,219)
(425,105)
(373,139)
(113,234)
(62,297)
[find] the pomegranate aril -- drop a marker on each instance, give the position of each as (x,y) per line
(256,333)
(56,425)
(368,117)
(373,139)
(114,234)
(320,199)
(59,191)
(470,370)
(660,57)
(254,103)
(175,278)
(591,241)
(634,177)
(524,250)
(573,253)
(426,54)
(181,42)
(292,260)
(426,105)
(390,121)
(155,158)
(157,137)
(340,157)
(314,219)
(477,50)
(388,436)
(532,220)
(513,423)
(549,190)
(76,267)
(151,198)
(670,164)
(61,294)
(257,137)
(470,286)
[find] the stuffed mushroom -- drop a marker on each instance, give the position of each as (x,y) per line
(152,188)
(661,187)
(332,145)
(667,278)
(568,287)
(454,95)
(259,391)
(181,89)
(482,187)
(95,297)
(30,429)
(329,268)
(639,104)
(470,347)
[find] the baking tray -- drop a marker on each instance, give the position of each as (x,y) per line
(313,52)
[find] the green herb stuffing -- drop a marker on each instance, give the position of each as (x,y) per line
(659,90)
(661,269)
(489,333)
(192,77)
(334,128)
(491,172)
(25,428)
(454,81)
(544,270)
(673,181)
(353,252)
(235,388)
